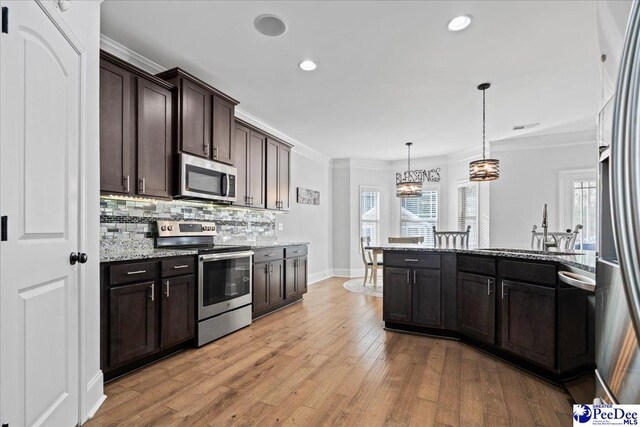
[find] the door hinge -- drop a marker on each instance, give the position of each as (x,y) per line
(5,20)
(3,228)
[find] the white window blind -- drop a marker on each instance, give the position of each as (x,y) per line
(418,215)
(584,212)
(370,215)
(468,211)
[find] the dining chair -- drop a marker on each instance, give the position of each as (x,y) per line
(414,240)
(459,239)
(370,267)
(563,241)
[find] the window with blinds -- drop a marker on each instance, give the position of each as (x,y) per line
(418,215)
(370,215)
(468,211)
(584,211)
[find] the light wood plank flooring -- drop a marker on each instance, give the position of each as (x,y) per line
(328,361)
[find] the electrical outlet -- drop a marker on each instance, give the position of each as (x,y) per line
(280,226)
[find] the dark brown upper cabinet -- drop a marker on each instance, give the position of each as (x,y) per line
(278,175)
(136,135)
(204,118)
(250,146)
(154,139)
(223,130)
(116,136)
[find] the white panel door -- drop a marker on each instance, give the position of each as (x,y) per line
(40,99)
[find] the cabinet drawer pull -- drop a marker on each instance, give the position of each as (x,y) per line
(152,291)
(411,260)
(131,273)
(268,255)
(178,267)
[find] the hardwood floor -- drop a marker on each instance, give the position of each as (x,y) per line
(328,361)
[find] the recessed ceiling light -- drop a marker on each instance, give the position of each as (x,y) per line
(307,65)
(459,22)
(270,25)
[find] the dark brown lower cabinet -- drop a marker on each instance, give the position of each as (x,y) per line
(178,305)
(276,283)
(477,307)
(426,297)
(397,295)
(528,321)
(132,321)
(301,275)
(260,287)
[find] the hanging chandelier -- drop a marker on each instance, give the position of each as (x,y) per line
(409,184)
(485,169)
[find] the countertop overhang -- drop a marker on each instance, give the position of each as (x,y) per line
(583,260)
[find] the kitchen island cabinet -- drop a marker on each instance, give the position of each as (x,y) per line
(513,308)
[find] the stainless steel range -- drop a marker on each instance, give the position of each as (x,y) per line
(224,277)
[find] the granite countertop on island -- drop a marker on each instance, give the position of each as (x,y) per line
(583,260)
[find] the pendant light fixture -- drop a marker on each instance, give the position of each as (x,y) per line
(485,169)
(409,184)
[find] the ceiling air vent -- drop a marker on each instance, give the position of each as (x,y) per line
(528,126)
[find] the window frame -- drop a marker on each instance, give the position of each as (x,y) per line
(434,189)
(565,195)
(468,183)
(369,189)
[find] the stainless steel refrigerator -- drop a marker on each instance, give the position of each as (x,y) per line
(618,266)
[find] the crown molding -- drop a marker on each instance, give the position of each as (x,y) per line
(538,142)
(113,47)
(299,147)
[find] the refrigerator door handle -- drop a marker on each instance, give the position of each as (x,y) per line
(625,155)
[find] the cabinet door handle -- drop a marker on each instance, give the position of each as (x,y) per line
(215,152)
(126,183)
(415,277)
(167,291)
(270,268)
(178,267)
(410,260)
(408,277)
(143,186)
(251,201)
(503,289)
(489,283)
(131,273)
(152,291)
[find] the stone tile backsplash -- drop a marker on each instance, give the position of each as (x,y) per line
(126,219)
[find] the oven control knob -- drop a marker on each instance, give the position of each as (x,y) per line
(170,228)
(205,228)
(163,228)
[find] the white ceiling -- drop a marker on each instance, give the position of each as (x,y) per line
(388,71)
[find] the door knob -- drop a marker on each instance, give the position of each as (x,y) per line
(78,257)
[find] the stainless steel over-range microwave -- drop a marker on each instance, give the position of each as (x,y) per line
(206,179)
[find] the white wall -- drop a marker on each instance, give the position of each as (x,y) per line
(311,223)
(529,178)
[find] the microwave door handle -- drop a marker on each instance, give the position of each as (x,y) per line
(225,185)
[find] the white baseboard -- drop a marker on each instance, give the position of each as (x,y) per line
(95,394)
(348,272)
(319,276)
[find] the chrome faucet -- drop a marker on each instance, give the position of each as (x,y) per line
(545,229)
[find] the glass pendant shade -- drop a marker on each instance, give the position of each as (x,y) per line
(484,170)
(409,189)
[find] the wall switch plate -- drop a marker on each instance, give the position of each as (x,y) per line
(280,226)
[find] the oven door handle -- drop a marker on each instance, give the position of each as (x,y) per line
(228,255)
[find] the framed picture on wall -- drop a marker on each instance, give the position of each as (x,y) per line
(308,197)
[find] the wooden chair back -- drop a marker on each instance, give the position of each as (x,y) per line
(563,241)
(457,239)
(366,254)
